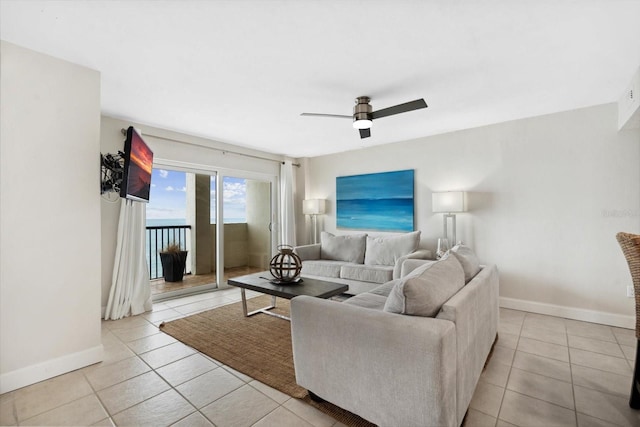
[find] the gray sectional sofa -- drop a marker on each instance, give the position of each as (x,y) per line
(361,261)
(409,352)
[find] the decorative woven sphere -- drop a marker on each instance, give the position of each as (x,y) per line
(286,265)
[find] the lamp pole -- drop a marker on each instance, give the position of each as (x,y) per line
(446,217)
(448,202)
(314,207)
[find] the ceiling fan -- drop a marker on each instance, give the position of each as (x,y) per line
(363,114)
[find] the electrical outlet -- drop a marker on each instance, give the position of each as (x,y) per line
(630,292)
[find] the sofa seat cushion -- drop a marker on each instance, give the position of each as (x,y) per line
(367,300)
(348,248)
(367,273)
(385,289)
(424,292)
(324,268)
(386,250)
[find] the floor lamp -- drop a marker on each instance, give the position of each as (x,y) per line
(449,202)
(314,207)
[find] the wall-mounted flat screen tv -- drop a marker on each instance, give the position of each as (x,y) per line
(138,162)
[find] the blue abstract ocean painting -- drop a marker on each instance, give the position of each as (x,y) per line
(377,201)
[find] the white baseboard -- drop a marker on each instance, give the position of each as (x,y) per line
(593,316)
(51,368)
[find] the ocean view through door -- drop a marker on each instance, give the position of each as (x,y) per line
(253,242)
(183,211)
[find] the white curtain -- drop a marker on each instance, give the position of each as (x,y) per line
(287,211)
(130,292)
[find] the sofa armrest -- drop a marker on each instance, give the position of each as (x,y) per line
(388,368)
(475,310)
(419,254)
(308,251)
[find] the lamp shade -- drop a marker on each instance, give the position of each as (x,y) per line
(314,206)
(449,201)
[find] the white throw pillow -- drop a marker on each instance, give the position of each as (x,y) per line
(348,248)
(424,293)
(386,250)
(468,260)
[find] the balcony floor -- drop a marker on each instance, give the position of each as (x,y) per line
(159,286)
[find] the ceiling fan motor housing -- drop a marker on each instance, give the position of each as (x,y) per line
(362,110)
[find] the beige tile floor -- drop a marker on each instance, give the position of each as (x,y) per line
(544,371)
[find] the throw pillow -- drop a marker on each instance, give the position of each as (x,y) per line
(348,248)
(468,260)
(386,250)
(424,293)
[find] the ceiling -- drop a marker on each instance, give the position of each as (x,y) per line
(242,71)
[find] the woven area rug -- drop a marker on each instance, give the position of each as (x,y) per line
(258,346)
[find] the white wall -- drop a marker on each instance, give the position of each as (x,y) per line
(182,151)
(547,196)
(49,217)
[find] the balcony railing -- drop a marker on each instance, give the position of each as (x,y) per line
(157,238)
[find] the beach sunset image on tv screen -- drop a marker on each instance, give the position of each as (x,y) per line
(139,171)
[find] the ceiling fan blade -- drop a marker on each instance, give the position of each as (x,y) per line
(339,116)
(365,133)
(400,108)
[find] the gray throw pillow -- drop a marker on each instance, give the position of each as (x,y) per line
(348,248)
(385,250)
(468,260)
(423,293)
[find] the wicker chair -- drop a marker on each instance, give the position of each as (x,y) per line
(630,244)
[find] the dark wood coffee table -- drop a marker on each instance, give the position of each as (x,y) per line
(259,282)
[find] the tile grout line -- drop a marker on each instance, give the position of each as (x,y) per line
(171,387)
(218,365)
(152,369)
(510,369)
(571,372)
(573,388)
(593,416)
(221,366)
(629,361)
(128,379)
(575,410)
(269,413)
(95,393)
(573,385)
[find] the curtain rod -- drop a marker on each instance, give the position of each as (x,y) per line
(124,132)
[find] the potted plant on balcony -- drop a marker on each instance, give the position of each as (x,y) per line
(173,260)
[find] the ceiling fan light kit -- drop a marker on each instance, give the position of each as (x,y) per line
(362,124)
(363,114)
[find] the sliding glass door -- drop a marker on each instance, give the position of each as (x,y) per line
(248,206)
(178,214)
(184,207)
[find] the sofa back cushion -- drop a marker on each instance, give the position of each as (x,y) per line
(468,260)
(386,250)
(423,292)
(348,248)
